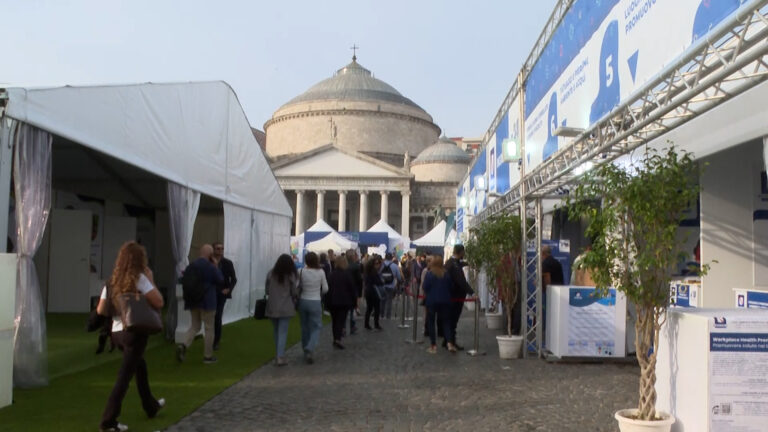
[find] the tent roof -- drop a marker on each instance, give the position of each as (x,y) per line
(320,226)
(193,134)
(435,237)
(333,241)
(382,226)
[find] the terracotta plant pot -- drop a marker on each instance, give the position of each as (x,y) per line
(628,424)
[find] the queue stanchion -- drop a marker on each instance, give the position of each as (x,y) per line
(415,339)
(475,351)
(402,324)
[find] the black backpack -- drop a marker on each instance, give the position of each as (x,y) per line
(387,275)
(192,285)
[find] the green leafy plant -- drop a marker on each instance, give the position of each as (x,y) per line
(495,245)
(634,248)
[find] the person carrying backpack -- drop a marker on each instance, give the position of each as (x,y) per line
(391,277)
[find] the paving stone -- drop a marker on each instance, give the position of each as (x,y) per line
(380,383)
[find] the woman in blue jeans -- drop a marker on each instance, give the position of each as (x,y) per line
(313,286)
(281,290)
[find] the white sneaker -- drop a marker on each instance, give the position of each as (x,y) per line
(161,402)
(119,428)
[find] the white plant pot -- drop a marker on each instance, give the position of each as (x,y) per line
(510,347)
(627,424)
(494,321)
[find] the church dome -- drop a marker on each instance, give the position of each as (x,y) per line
(443,161)
(352,82)
(353,111)
(445,151)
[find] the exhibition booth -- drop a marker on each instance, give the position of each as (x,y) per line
(172,166)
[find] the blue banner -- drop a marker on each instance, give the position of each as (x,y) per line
(738,342)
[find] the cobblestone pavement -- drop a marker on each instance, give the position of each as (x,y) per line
(380,383)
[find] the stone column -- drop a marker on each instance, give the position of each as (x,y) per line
(299,212)
(405,208)
(320,204)
(363,210)
(342,210)
(385,206)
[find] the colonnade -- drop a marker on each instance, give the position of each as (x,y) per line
(363,217)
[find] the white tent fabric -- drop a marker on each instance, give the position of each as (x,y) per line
(334,241)
(382,226)
(435,237)
(183,204)
(193,134)
(320,226)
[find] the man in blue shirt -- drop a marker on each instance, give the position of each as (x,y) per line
(390,274)
(203,311)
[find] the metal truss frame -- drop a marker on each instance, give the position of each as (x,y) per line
(531,327)
(730,61)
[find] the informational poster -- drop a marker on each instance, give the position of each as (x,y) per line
(297,250)
(461,211)
(591,321)
(478,189)
(602,52)
(738,384)
(502,175)
(684,293)
(751,299)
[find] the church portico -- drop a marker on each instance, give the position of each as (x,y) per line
(352,150)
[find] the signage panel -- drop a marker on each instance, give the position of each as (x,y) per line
(602,52)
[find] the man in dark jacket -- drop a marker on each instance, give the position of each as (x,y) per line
(204,311)
(460,289)
(355,270)
(224,290)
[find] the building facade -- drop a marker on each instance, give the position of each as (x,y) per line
(352,150)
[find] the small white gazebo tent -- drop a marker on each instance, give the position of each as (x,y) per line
(334,241)
(435,237)
(396,242)
(320,226)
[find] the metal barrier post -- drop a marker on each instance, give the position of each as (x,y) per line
(476,349)
(403,296)
(415,295)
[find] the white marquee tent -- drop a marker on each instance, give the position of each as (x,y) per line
(334,241)
(435,237)
(192,138)
(396,241)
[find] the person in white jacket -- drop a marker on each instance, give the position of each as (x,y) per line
(312,287)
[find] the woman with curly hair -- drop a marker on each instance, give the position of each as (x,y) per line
(131,275)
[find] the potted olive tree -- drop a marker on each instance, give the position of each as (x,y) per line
(495,245)
(634,249)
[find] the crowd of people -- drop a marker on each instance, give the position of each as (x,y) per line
(337,284)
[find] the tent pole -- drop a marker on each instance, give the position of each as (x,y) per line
(6,164)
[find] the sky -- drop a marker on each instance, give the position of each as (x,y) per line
(457,59)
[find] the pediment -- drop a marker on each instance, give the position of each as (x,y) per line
(330,161)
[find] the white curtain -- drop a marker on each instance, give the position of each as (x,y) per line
(32,188)
(183,204)
(237,247)
(270,238)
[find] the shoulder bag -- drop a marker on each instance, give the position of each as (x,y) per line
(137,314)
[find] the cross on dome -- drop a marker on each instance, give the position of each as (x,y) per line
(354,49)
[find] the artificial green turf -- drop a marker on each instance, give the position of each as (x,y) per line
(74,401)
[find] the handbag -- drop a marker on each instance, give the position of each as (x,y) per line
(137,315)
(298,296)
(260,311)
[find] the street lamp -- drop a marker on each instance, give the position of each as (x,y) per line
(568,132)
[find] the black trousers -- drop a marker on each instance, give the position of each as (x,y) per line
(443,314)
(373,307)
(132,345)
(455,310)
(338,320)
(220,301)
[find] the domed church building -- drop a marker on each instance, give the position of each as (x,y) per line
(352,150)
